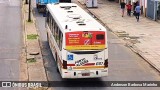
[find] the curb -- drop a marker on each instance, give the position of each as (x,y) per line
(133,48)
(29,66)
(40,45)
(24,76)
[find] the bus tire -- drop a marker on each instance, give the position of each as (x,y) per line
(47,36)
(57,70)
(56,59)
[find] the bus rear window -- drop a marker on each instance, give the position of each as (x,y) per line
(99,36)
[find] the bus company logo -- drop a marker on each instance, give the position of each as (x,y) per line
(70,57)
(6,84)
(81,62)
(95,57)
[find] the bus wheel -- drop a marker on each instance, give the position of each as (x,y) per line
(57,69)
(47,36)
(56,62)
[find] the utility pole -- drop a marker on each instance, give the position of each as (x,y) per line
(26,1)
(29,14)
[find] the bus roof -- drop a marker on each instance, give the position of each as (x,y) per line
(70,17)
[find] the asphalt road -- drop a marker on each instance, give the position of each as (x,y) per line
(124,64)
(10,40)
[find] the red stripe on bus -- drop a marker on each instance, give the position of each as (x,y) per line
(70,64)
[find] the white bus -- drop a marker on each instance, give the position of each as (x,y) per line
(77,41)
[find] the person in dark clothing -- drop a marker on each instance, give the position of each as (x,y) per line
(122,7)
(137,9)
(135,4)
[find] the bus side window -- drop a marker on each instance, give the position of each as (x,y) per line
(60,33)
(51,23)
(57,37)
(52,29)
(47,19)
(54,33)
(61,40)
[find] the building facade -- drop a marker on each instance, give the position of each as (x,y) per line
(153,9)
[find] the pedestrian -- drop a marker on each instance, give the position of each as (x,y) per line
(135,4)
(122,7)
(129,7)
(137,10)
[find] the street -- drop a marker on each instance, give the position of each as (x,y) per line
(124,64)
(10,39)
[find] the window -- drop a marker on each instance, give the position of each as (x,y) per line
(60,42)
(99,36)
(47,19)
(57,37)
(52,29)
(57,34)
(51,23)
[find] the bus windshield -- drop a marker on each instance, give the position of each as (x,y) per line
(85,40)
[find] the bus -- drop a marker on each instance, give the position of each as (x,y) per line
(41,4)
(78,42)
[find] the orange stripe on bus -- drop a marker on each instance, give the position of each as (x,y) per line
(88,67)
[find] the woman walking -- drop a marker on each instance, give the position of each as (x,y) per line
(122,7)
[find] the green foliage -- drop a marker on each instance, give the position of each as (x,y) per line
(32,36)
(32,60)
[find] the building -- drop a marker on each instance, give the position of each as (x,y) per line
(153,9)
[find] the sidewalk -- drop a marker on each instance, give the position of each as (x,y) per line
(32,67)
(143,37)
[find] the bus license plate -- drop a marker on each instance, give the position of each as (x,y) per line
(85,74)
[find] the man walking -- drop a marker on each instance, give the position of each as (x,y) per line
(137,10)
(122,7)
